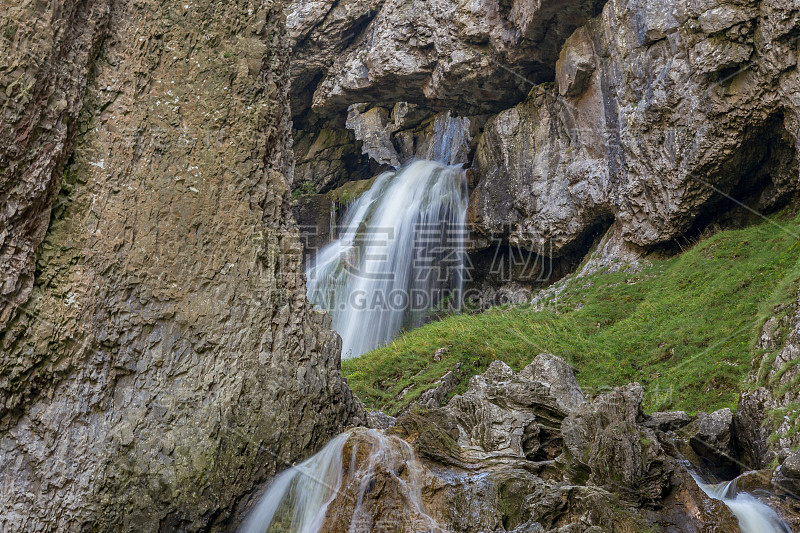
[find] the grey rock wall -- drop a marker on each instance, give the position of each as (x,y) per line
(660,111)
(166,361)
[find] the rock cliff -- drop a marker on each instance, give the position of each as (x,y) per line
(652,123)
(647,120)
(164,360)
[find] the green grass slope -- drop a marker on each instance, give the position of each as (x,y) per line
(685,327)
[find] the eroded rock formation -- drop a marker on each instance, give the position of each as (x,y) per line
(524,452)
(165,359)
(448,55)
(659,111)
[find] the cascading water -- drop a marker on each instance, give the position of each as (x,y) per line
(400,255)
(333,489)
(753,515)
(297,499)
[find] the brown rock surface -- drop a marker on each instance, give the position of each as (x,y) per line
(166,361)
(491,460)
(47,50)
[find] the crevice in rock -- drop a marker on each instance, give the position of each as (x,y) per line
(502,273)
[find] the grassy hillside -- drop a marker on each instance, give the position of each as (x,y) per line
(684,327)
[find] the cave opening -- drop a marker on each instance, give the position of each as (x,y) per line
(760,178)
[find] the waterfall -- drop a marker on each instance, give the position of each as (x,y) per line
(297,499)
(753,515)
(399,256)
(333,488)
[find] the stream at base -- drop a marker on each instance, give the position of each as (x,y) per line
(753,515)
(298,500)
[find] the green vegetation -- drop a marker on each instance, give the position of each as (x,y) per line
(350,191)
(684,327)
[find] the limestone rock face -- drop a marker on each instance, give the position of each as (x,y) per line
(607,445)
(661,111)
(46,63)
(662,115)
(166,360)
(465,56)
(714,435)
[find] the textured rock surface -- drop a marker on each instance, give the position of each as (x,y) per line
(712,438)
(47,50)
(410,61)
(714,435)
(166,360)
(327,156)
(657,107)
(607,445)
(767,417)
(509,455)
(444,54)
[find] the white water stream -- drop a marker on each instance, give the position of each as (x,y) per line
(753,515)
(399,256)
(298,499)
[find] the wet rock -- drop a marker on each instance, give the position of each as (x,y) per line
(477,472)
(446,139)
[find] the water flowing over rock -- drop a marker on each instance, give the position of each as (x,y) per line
(752,515)
(398,258)
(165,361)
(514,454)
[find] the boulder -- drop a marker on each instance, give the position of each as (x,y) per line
(667,421)
(558,375)
(787,476)
(713,440)
(605,444)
